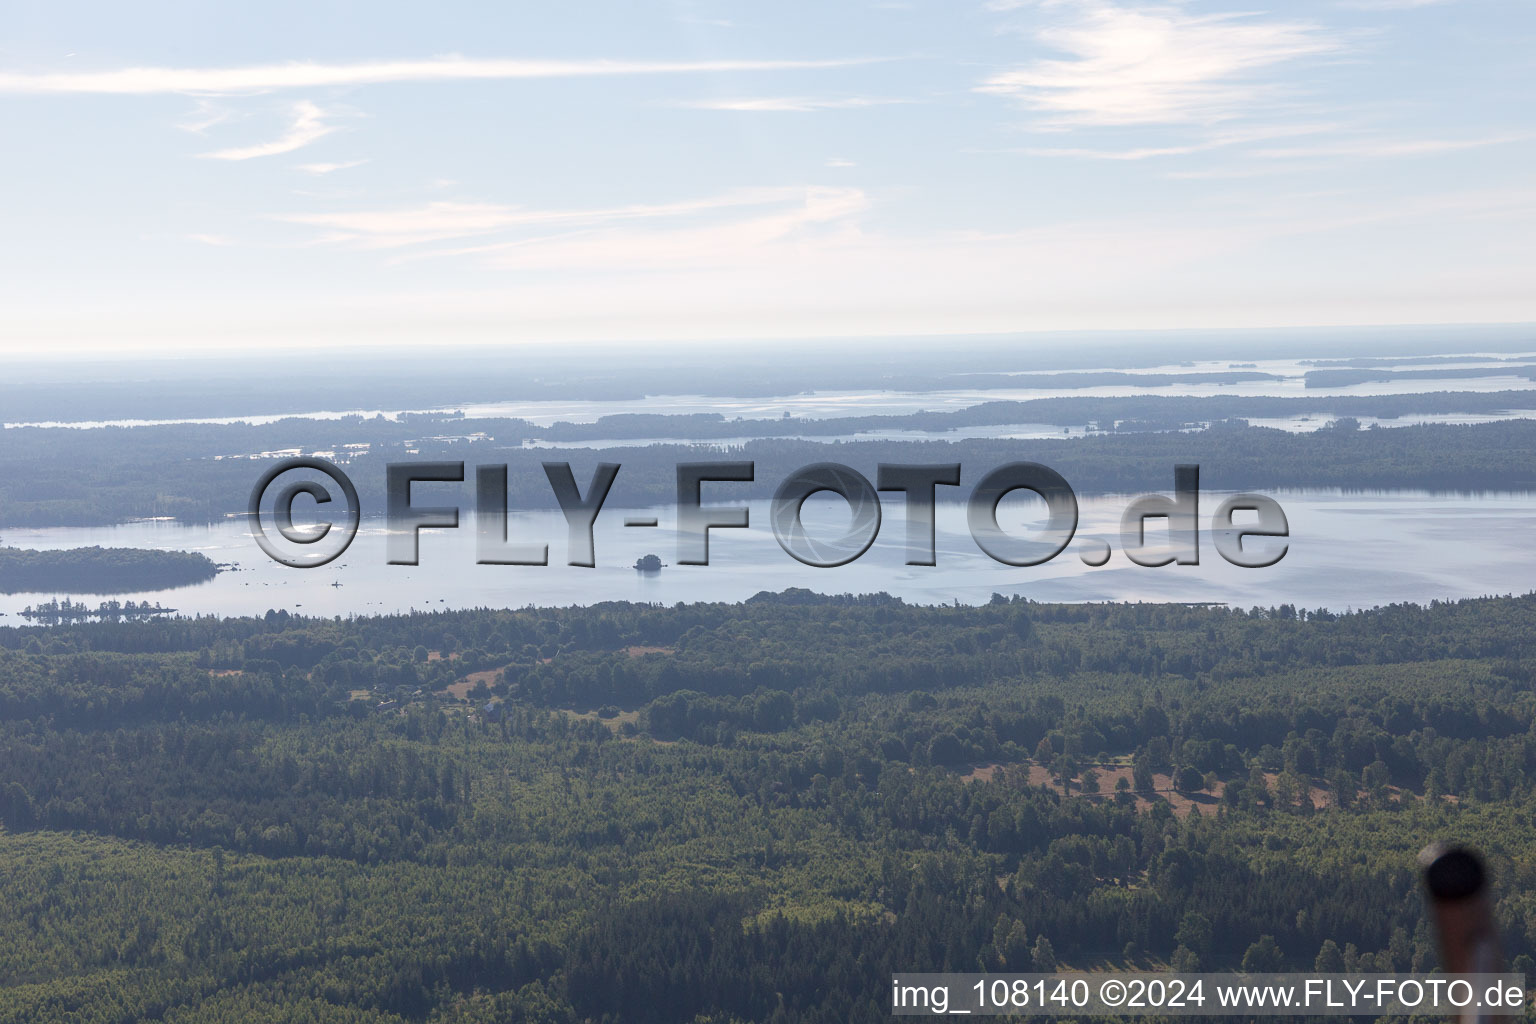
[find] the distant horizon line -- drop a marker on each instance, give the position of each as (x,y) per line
(51,353)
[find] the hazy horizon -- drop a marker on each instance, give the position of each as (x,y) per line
(293,178)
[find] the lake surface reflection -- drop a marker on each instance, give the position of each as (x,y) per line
(1346,551)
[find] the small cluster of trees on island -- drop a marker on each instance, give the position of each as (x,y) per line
(98,570)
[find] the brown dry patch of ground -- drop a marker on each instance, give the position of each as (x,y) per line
(359,694)
(438,656)
(1183,802)
(613,724)
(1038,775)
(225,672)
(637,651)
(460,690)
(1321,795)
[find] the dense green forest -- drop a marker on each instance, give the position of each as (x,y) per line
(751,812)
(1345,378)
(98,570)
(118,474)
(1369,362)
(1131,412)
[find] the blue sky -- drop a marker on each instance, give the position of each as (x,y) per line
(187,175)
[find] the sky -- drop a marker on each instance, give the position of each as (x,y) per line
(200,177)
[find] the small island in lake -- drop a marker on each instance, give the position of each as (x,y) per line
(98,570)
(66,612)
(648,563)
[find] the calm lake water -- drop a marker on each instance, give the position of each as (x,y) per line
(1346,551)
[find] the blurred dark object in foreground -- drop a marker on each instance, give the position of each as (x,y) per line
(1462,906)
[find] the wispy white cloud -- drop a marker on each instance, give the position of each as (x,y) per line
(1387,148)
(838,161)
(1239,171)
(1390,5)
(1273,160)
(1218,140)
(329,168)
(799,104)
(307,75)
(444,220)
(205,115)
(804,225)
(767,228)
(308,125)
(206,239)
(1157,65)
(1139,153)
(1192,84)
